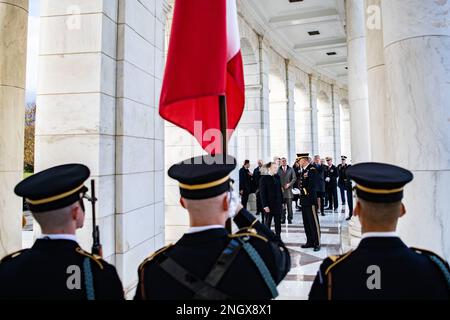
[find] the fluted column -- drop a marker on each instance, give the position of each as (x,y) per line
(13,52)
(416,50)
(357,81)
(290,88)
(336,122)
(376,80)
(313,83)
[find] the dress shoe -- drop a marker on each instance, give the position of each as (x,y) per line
(316,248)
(323,214)
(307,245)
(290,221)
(348,219)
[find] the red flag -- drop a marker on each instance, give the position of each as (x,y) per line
(203,63)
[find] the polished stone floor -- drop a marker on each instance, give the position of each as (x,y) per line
(306,262)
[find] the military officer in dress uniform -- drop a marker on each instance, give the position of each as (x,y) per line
(308,200)
(382,267)
(56,268)
(331,175)
(208,263)
(345,185)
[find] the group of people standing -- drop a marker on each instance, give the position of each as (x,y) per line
(310,183)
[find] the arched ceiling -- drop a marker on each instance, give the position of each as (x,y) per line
(292,21)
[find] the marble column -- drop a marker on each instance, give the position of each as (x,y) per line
(313,85)
(376,80)
(264,67)
(416,49)
(13,51)
(357,81)
(336,123)
(345,132)
(290,87)
(303,127)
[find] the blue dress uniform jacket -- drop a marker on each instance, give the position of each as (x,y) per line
(198,252)
(332,173)
(404,273)
(307,186)
(42,273)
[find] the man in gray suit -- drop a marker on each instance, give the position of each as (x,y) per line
(288,178)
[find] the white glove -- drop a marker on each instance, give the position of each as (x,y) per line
(327,179)
(233,199)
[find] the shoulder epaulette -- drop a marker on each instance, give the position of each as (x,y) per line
(428,253)
(13,255)
(437,260)
(153,256)
(335,260)
(93,257)
(248,232)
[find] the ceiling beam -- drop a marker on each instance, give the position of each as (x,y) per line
(303,17)
(332,62)
(331,43)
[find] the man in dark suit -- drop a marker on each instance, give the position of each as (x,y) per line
(331,175)
(382,267)
(245,183)
(208,263)
(56,268)
(255,182)
(308,201)
(320,184)
(287,178)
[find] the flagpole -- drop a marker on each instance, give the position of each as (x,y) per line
(223,125)
(223,130)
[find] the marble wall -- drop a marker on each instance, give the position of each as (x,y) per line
(139,135)
(101,65)
(75,120)
(13,49)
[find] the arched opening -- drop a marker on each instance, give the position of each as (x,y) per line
(245,142)
(278,115)
(325,125)
(303,127)
(345,128)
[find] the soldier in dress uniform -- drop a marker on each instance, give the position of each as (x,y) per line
(208,263)
(56,268)
(308,200)
(382,267)
(345,185)
(331,175)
